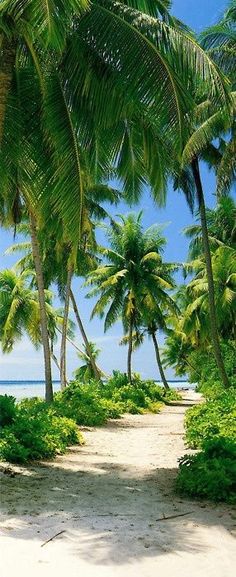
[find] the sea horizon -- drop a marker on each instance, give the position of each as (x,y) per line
(21,389)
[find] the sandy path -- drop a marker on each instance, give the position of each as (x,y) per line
(107,497)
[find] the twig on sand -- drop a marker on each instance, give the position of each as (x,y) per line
(164,518)
(51,539)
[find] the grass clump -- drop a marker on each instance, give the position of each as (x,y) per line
(210,474)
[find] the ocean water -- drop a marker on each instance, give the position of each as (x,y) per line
(23,389)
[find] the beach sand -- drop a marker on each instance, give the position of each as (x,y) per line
(106,502)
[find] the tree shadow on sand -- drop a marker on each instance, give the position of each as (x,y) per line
(106,513)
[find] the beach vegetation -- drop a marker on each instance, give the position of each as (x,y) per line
(36,432)
(211,473)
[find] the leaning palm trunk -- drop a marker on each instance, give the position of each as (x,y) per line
(210,280)
(42,308)
(64,329)
(159,363)
(130,350)
(53,357)
(95,369)
(8,52)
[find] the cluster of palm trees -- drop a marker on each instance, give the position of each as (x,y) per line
(190,329)
(101,89)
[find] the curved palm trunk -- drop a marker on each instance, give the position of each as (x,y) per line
(64,329)
(8,50)
(210,280)
(130,350)
(96,371)
(159,363)
(42,308)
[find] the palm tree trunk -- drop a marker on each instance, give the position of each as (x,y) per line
(96,371)
(53,357)
(64,329)
(8,50)
(42,308)
(210,280)
(159,363)
(130,350)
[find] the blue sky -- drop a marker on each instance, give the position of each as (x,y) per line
(24,362)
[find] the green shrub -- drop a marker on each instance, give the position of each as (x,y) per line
(210,474)
(82,403)
(11,449)
(155,407)
(37,433)
(118,380)
(212,419)
(113,410)
(139,395)
(7,410)
(132,393)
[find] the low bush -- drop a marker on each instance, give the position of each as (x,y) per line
(113,410)
(155,407)
(140,392)
(92,404)
(212,419)
(7,410)
(37,432)
(82,403)
(210,474)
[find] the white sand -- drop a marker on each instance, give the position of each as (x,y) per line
(107,497)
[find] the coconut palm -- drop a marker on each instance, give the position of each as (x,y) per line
(196,316)
(19,310)
(221,222)
(76,96)
(85,373)
(55,252)
(132,284)
(220,41)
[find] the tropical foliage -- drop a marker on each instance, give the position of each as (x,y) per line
(98,100)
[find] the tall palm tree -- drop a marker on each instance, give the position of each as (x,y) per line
(55,253)
(76,96)
(133,284)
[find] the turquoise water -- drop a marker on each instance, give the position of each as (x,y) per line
(22,389)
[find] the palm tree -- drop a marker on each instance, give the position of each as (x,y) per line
(19,310)
(221,222)
(56,251)
(85,373)
(76,96)
(197,143)
(220,41)
(196,316)
(133,284)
